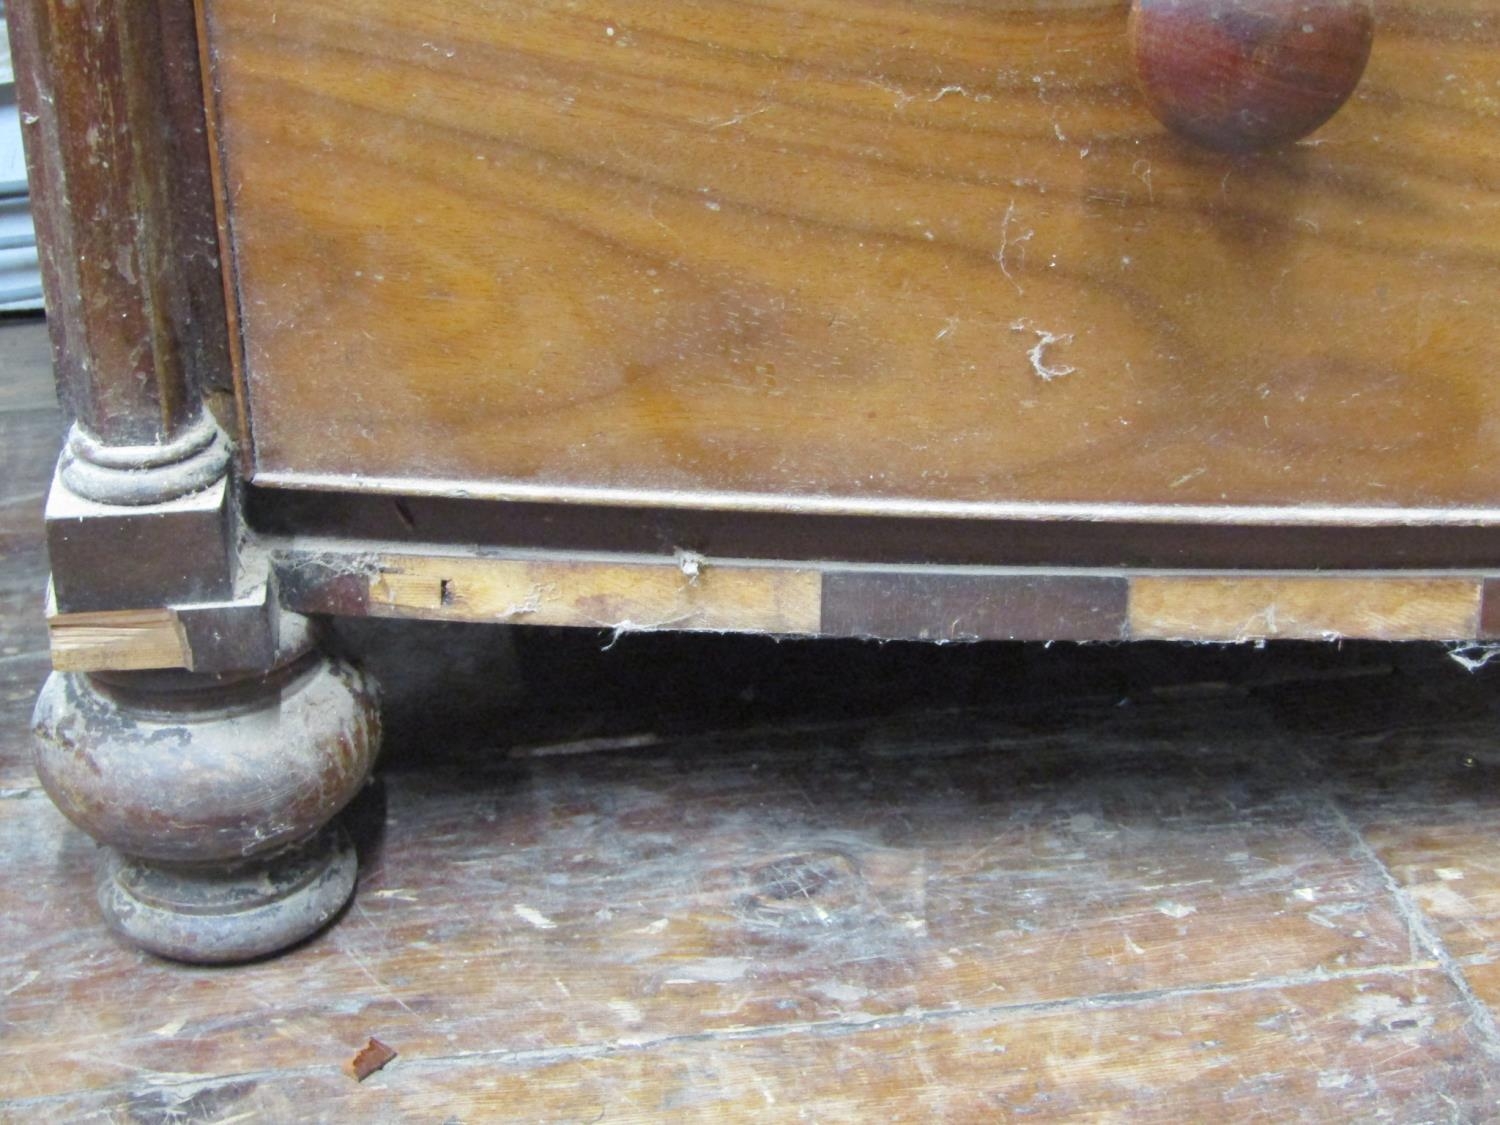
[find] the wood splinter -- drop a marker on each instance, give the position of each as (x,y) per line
(368,1059)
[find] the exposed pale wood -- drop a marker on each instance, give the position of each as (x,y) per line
(897,603)
(880,899)
(117,641)
(1129,882)
(212,638)
(684,593)
(1246,607)
(851,251)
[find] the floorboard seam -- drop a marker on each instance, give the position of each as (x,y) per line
(1423,935)
(544,1056)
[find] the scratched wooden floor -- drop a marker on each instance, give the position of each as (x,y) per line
(729,879)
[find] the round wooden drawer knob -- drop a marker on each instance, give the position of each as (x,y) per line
(1241,75)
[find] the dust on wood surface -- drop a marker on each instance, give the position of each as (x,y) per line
(849,253)
(717,879)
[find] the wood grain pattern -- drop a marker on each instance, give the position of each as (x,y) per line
(117,641)
(1397,1043)
(212,638)
(1314,608)
(692,592)
(111,99)
(910,252)
(684,594)
(1047,904)
(1328,948)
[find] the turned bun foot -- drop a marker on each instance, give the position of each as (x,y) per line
(216,914)
(213,795)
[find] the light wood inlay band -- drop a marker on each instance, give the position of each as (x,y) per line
(689,593)
(122,641)
(1239,607)
(685,593)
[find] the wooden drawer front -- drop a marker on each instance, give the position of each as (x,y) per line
(850,250)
